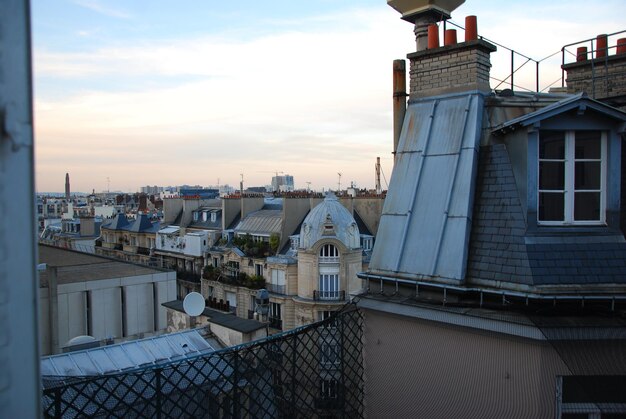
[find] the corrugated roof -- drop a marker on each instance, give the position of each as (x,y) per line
(262,222)
(425,225)
(126,356)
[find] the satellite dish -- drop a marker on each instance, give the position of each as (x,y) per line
(193,304)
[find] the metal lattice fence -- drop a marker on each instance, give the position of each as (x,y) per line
(311,372)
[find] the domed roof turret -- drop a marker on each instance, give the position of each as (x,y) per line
(329,219)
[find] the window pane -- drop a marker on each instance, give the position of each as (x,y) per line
(551,206)
(588,145)
(587,206)
(552,176)
(587,175)
(552,145)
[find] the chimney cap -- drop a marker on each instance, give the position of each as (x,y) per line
(412,9)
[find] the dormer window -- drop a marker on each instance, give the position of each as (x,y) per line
(572,177)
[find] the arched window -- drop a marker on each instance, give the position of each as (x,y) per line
(329,253)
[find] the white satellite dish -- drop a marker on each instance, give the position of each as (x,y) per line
(193,304)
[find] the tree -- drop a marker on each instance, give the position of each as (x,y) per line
(274,242)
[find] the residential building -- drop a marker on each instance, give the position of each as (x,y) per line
(73,233)
(498,277)
(107,299)
(304,249)
(129,240)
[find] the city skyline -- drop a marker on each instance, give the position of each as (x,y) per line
(149,93)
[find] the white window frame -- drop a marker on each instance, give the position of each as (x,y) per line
(569,191)
(329,286)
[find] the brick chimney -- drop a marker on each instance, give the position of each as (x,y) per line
(454,67)
(601,74)
(458,67)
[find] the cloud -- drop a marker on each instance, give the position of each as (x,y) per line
(98,7)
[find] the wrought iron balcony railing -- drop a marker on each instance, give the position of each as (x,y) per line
(277,289)
(329,295)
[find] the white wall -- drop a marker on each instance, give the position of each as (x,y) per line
(138,308)
(72,316)
(106,313)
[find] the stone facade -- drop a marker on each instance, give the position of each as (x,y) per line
(455,68)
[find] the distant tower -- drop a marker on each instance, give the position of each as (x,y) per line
(67,186)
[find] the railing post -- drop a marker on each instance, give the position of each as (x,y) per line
(537,72)
(159,400)
(236,387)
(512,67)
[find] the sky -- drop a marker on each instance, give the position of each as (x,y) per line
(158,92)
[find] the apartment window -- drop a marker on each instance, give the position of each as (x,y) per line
(278,277)
(275,312)
(329,389)
(329,353)
(216,262)
(231,297)
(366,243)
(195,215)
(213,217)
(258,269)
(329,286)
(295,242)
(277,281)
(572,177)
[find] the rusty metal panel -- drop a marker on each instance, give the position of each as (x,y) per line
(425,225)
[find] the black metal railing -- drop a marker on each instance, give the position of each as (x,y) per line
(329,295)
(277,289)
(280,376)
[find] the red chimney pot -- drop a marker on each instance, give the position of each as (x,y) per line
(581,54)
(449,37)
(433,36)
(601,44)
(471,29)
(621,46)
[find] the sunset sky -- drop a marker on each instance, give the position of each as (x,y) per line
(167,93)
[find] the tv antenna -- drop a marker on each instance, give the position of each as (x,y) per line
(339,182)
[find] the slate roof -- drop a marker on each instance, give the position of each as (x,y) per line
(500,250)
(142,224)
(497,244)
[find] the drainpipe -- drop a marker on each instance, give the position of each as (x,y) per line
(399,101)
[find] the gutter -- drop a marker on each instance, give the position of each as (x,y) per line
(481,291)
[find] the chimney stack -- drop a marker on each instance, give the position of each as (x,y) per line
(601,74)
(454,67)
(67,186)
(399,100)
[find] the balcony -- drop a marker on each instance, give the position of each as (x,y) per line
(329,295)
(329,259)
(275,288)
